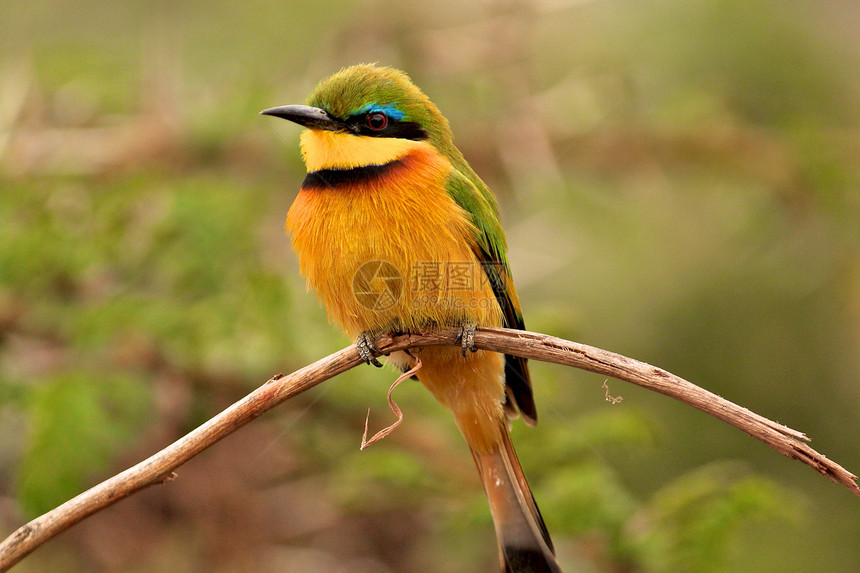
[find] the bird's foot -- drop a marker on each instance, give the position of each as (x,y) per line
(367,349)
(467,338)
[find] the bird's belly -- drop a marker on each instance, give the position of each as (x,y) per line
(472,387)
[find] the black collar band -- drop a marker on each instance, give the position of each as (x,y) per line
(334,178)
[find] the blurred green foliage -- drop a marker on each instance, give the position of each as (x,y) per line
(77,424)
(680,182)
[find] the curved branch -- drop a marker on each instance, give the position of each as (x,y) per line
(159,467)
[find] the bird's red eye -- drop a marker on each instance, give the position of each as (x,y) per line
(377,120)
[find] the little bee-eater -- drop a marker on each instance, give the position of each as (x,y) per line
(395,232)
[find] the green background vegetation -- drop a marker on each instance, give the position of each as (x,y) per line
(679,181)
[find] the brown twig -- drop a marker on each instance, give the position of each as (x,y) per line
(394,408)
(160,467)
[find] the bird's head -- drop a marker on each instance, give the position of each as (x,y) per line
(364,115)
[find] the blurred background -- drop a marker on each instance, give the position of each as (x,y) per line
(679,182)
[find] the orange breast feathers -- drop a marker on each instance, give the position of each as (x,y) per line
(390,249)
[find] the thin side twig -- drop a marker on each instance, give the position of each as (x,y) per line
(159,468)
(394,408)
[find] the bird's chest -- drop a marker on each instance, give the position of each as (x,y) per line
(392,253)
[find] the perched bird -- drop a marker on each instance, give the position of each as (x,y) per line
(394,231)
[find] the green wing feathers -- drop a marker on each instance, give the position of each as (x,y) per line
(491,250)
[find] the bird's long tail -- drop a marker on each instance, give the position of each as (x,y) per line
(524,541)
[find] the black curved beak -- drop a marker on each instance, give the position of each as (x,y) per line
(307,116)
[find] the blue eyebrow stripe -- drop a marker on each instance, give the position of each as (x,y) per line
(388,110)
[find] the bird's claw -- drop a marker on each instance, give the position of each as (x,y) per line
(467,338)
(367,350)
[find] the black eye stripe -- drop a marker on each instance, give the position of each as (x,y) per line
(361,125)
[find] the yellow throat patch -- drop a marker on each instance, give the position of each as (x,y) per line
(337,150)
